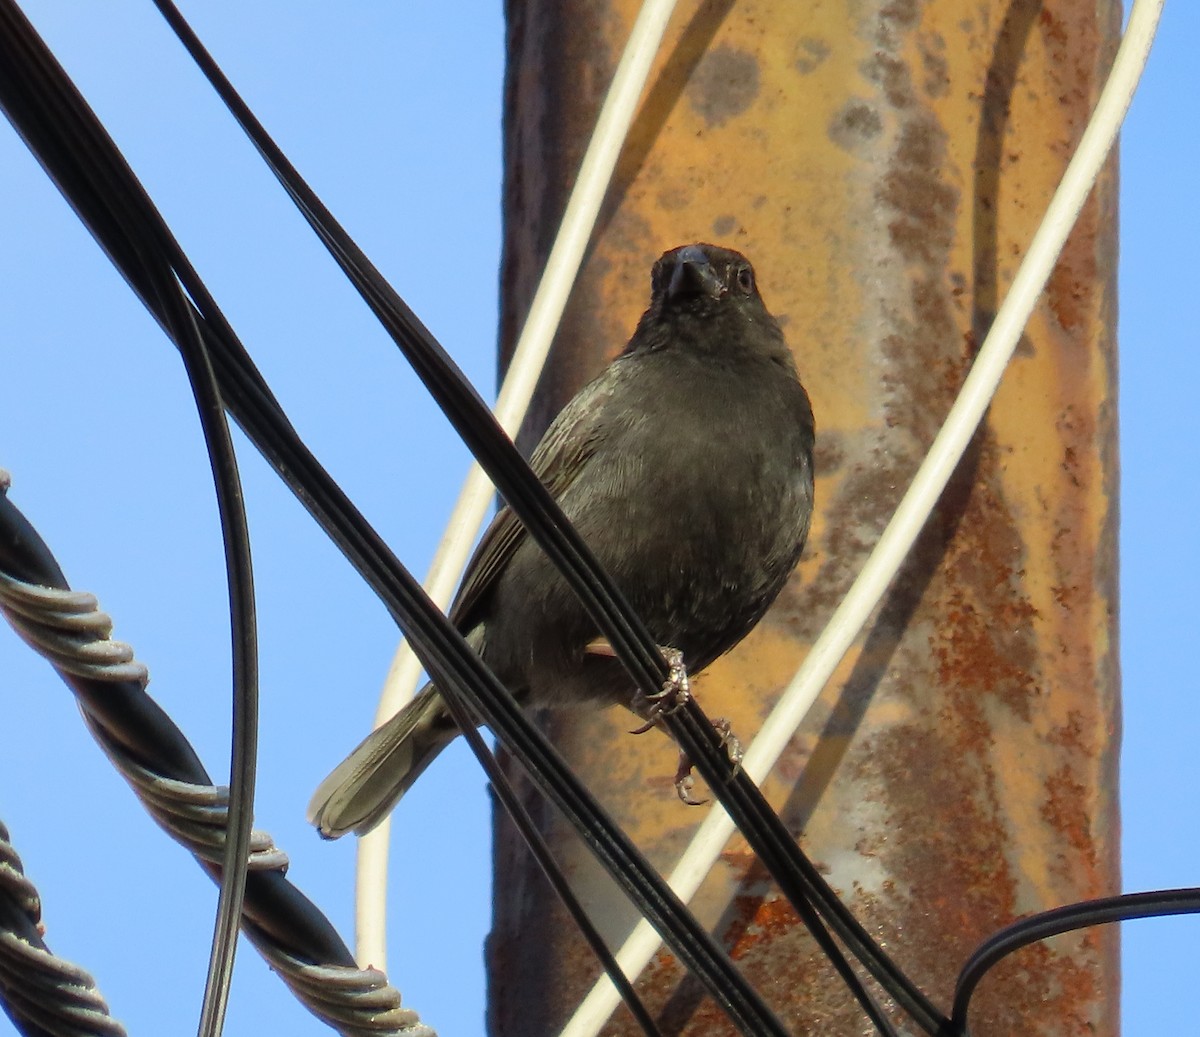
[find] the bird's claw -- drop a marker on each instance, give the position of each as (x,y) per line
(676,691)
(684,782)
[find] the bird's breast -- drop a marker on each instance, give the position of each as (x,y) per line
(699,508)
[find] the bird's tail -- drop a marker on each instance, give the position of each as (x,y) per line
(363,788)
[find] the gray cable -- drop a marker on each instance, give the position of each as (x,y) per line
(42,993)
(69,630)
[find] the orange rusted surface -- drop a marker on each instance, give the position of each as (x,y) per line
(884,164)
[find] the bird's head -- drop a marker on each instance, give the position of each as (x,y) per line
(700,277)
(706,297)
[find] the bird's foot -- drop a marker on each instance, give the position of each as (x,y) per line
(674,694)
(684,782)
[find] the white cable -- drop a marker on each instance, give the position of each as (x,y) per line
(922,495)
(612,127)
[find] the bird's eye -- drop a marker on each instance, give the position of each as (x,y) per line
(745,279)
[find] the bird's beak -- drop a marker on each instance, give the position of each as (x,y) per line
(694,275)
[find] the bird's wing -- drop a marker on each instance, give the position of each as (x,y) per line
(559,458)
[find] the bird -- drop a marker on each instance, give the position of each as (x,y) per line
(686,466)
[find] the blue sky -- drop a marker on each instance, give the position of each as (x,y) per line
(373,104)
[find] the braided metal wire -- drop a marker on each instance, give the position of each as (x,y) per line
(69,630)
(42,993)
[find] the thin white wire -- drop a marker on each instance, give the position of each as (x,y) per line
(918,502)
(612,127)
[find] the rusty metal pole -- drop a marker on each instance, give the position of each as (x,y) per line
(884,165)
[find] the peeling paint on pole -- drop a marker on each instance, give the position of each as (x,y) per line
(884,165)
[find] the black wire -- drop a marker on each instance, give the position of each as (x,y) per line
(240,580)
(244,632)
(89,184)
(546,524)
(1123,908)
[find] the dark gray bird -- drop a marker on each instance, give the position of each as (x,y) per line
(687,468)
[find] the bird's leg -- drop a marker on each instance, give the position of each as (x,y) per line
(683,775)
(676,690)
